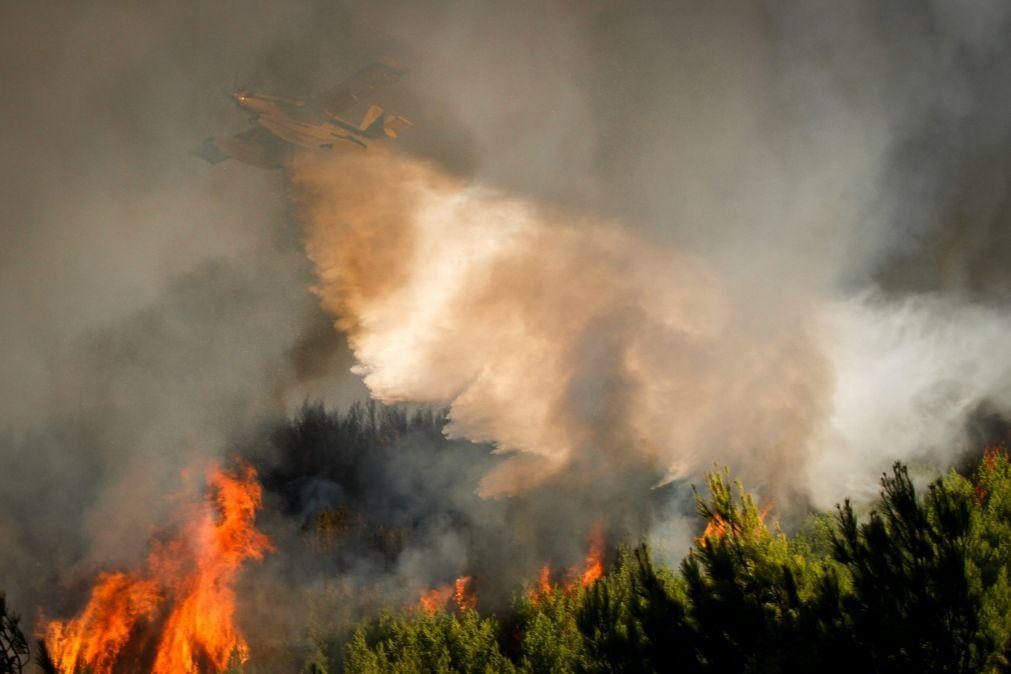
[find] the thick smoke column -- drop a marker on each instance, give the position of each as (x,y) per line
(572,344)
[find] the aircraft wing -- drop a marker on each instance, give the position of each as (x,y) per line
(367,80)
(254,146)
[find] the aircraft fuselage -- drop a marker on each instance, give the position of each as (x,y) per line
(289,121)
(281,124)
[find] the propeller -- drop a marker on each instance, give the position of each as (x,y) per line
(241,88)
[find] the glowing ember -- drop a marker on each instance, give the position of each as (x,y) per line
(189,582)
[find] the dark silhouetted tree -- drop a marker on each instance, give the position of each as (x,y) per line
(14,653)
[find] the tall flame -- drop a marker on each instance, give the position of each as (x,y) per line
(202,619)
(184,595)
(593,567)
(463,594)
(96,637)
(460,595)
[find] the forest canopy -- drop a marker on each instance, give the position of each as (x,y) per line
(919,583)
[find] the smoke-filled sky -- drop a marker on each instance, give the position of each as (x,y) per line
(773,235)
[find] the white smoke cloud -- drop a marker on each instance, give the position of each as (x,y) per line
(570,344)
(908,374)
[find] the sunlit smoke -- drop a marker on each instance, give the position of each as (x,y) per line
(567,342)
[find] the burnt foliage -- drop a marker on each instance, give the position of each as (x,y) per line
(364,482)
(14,655)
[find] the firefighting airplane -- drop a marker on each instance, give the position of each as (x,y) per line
(282,124)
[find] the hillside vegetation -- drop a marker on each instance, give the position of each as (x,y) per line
(919,584)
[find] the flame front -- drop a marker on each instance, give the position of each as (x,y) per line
(97,636)
(460,594)
(591,571)
(185,595)
(593,567)
(202,621)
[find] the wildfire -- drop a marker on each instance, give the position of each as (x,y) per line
(591,571)
(434,600)
(184,595)
(544,585)
(96,637)
(717,527)
(593,567)
(460,594)
(463,594)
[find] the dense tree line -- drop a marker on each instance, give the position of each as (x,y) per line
(920,583)
(365,481)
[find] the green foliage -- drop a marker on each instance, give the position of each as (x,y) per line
(550,638)
(912,606)
(427,643)
(634,619)
(747,591)
(919,584)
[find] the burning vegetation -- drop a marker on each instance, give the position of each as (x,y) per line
(177,614)
(919,584)
(577,577)
(459,596)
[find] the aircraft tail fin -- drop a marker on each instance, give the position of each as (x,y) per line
(377,123)
(394,124)
(372,122)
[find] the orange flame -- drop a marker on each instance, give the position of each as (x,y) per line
(544,585)
(202,619)
(593,567)
(717,527)
(460,593)
(463,594)
(193,575)
(543,589)
(96,637)
(591,571)
(434,600)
